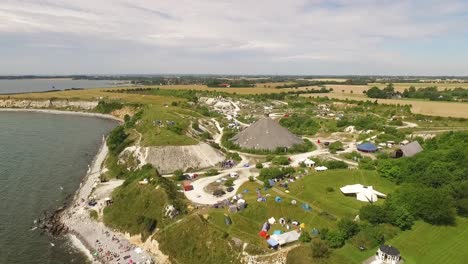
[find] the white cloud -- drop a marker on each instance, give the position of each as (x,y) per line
(269,30)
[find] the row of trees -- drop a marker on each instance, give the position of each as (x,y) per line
(432,93)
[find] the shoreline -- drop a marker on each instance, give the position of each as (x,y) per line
(93,238)
(62,112)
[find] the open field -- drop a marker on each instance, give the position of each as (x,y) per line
(432,108)
(399,87)
(313,189)
(434,244)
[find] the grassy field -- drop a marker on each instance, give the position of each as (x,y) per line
(400,87)
(313,189)
(162,136)
(434,244)
(432,108)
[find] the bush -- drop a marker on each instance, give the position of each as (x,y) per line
(335,146)
(347,228)
(229,182)
(305,237)
(336,164)
(93,214)
(179,175)
(280,160)
(251,178)
(212,172)
(319,249)
(330,189)
(259,165)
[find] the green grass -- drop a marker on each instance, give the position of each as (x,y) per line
(312,188)
(162,136)
(194,240)
(426,243)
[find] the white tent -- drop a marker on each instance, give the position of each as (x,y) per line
(363,193)
(287,237)
(321,168)
(309,162)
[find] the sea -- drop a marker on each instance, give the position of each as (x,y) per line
(43,158)
(41,85)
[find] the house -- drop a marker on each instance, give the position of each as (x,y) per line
(388,255)
(363,193)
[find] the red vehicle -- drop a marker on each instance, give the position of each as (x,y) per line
(286,115)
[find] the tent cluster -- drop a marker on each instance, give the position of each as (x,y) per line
(237,203)
(278,238)
(363,193)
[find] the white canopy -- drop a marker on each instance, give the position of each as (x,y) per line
(363,193)
(272,221)
(321,168)
(287,237)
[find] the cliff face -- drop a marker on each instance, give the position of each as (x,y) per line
(60,103)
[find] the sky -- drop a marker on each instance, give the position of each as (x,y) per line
(297,37)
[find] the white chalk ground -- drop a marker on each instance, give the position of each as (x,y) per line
(199,196)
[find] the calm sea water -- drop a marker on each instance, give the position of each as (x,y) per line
(43,158)
(40,85)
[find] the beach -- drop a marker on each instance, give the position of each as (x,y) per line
(103,244)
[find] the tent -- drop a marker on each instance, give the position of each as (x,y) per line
(306,207)
(367,147)
(278,199)
(363,193)
(277,232)
(271,220)
(321,168)
(271,182)
(287,237)
(272,243)
(266,227)
(411,149)
(309,162)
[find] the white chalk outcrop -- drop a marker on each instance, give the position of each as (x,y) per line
(56,103)
(167,159)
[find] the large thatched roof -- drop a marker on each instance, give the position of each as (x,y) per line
(266,134)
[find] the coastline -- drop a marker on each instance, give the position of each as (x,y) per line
(96,240)
(61,112)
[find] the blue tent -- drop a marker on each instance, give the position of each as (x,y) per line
(278,199)
(367,147)
(306,207)
(272,242)
(277,232)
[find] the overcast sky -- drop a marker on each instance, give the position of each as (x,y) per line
(234,37)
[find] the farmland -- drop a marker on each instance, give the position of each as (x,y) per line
(446,109)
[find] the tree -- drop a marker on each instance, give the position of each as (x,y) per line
(374,214)
(280,160)
(348,228)
(259,165)
(319,249)
(335,239)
